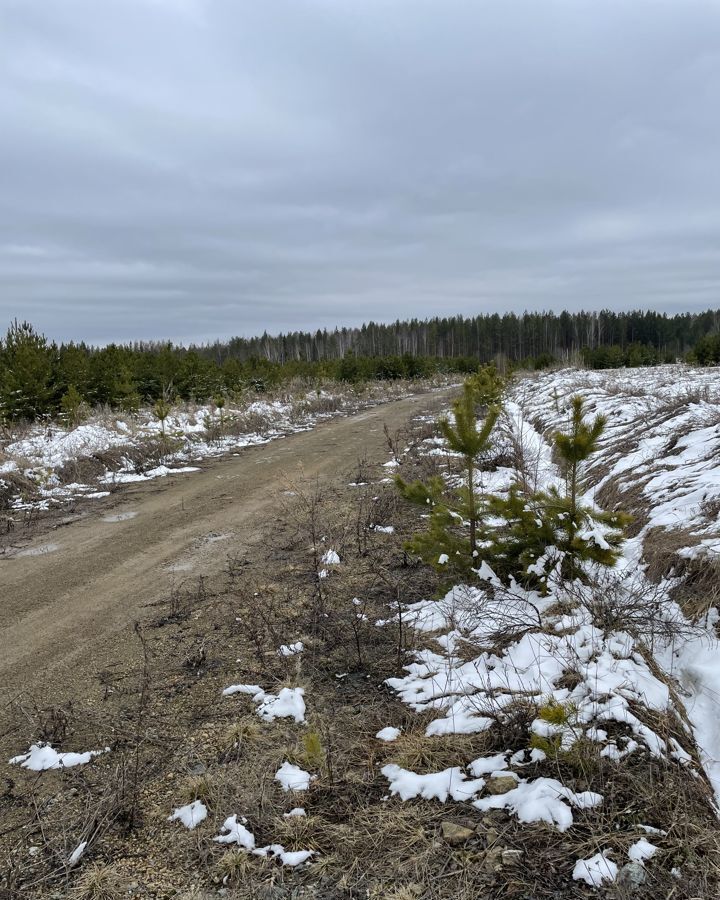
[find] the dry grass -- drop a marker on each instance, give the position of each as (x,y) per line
(699,590)
(661,547)
(83,470)
(367,845)
(419,753)
(617,494)
(98,882)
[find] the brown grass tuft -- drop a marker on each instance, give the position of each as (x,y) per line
(661,552)
(98,882)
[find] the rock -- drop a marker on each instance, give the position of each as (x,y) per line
(632,876)
(490,834)
(493,860)
(501,784)
(455,834)
(511,856)
(198,769)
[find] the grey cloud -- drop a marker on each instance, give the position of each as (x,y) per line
(198,168)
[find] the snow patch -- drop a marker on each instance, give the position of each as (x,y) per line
(293,778)
(595,871)
(388,734)
(41,757)
(190,815)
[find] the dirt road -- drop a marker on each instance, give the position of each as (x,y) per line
(66,610)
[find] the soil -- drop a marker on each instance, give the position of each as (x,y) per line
(68,601)
(125,633)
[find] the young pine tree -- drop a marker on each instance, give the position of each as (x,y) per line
(553,527)
(26,360)
(162,410)
(455,530)
(219,401)
(487,387)
(72,406)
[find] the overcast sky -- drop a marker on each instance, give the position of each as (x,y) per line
(193,169)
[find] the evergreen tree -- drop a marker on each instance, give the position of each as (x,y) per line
(26,364)
(707,350)
(72,407)
(162,410)
(455,529)
(219,402)
(550,529)
(35,375)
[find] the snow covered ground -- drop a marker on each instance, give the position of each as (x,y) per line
(662,436)
(624,689)
(662,441)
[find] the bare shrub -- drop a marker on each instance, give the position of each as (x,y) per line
(83,470)
(393,441)
(322,404)
(632,604)
(16,486)
(238,424)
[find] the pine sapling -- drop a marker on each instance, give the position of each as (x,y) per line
(574,448)
(450,543)
(466,439)
(220,406)
(162,410)
(549,528)
(72,406)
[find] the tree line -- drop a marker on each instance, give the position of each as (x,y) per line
(40,378)
(484,337)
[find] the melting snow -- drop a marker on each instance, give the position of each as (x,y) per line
(291,649)
(77,853)
(595,871)
(388,734)
(642,850)
(542,800)
(293,778)
(190,815)
(452,783)
(287,704)
(237,833)
(41,757)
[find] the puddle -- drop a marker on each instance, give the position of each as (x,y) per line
(214,537)
(38,551)
(183,566)
(119,517)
